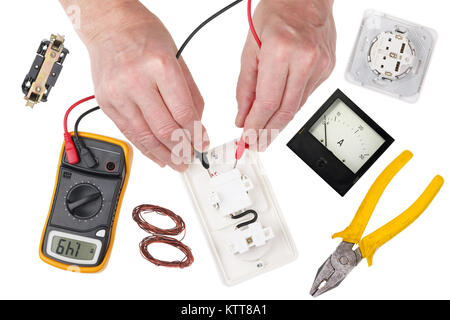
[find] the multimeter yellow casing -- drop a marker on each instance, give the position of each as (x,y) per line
(80,227)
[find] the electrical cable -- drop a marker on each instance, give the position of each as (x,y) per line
(184,263)
(246,223)
(204,23)
(138,216)
(159,235)
(77,123)
(85,153)
(69,146)
(241,146)
(203,156)
(250,22)
(76,104)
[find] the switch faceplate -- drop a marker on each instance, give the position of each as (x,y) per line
(229,194)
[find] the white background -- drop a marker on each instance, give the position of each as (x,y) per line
(413,265)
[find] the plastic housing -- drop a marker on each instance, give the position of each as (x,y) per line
(221,230)
(421,40)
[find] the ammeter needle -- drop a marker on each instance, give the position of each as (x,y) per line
(325,126)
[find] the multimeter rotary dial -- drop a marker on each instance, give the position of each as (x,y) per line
(84,201)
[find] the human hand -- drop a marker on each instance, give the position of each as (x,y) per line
(297,54)
(139,83)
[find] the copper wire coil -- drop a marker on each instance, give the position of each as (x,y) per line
(159,235)
(139,211)
(184,263)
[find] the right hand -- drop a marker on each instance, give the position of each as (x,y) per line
(141,85)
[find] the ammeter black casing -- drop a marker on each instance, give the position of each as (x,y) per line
(324,162)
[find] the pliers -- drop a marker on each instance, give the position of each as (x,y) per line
(345,258)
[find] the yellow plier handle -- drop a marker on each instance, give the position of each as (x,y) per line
(355,230)
(372,242)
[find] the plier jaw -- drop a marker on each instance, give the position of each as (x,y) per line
(336,268)
(344,258)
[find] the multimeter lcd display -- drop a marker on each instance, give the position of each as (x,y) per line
(340,142)
(346,135)
(73,249)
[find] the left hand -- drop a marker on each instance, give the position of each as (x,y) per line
(298,53)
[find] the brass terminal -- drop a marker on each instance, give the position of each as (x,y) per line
(52,56)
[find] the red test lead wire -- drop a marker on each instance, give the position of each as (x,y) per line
(71,150)
(250,21)
(241,145)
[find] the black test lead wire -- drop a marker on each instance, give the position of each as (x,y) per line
(85,153)
(203,156)
(204,23)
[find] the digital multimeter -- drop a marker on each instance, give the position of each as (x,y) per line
(80,227)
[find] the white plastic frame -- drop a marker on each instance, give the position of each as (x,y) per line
(278,251)
(422,40)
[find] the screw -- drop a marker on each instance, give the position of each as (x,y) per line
(343,260)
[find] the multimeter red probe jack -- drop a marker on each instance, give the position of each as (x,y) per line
(71,150)
(70,147)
